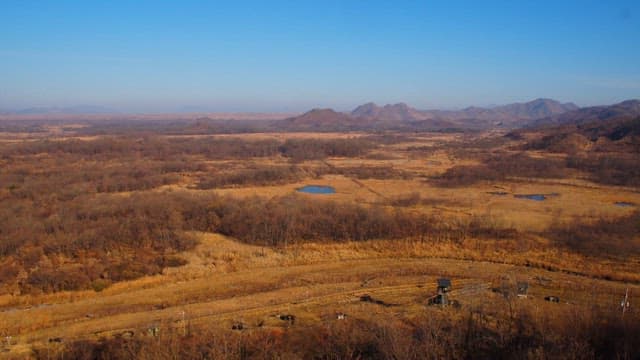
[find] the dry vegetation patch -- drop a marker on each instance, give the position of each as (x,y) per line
(105,237)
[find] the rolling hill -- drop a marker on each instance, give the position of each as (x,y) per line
(625,109)
(511,115)
(395,112)
(614,128)
(320,120)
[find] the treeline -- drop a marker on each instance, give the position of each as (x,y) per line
(263,175)
(609,169)
(211,148)
(619,237)
(91,241)
(259,175)
(69,168)
(372,172)
(150,147)
(292,219)
(88,242)
(622,169)
(499,167)
(519,333)
(67,176)
(317,149)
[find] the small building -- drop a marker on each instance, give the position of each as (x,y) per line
(441,298)
(444,285)
(522,289)
(153,330)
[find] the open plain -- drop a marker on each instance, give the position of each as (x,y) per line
(243,263)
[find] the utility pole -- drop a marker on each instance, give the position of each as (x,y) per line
(184,324)
(625,303)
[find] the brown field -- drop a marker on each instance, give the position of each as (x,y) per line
(225,280)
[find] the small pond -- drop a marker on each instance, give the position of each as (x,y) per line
(624,204)
(317,189)
(535,197)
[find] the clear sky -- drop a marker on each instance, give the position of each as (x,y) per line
(156,56)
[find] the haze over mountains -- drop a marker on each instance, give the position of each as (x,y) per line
(395,112)
(598,129)
(625,109)
(514,113)
(508,115)
(401,115)
(80,109)
(370,116)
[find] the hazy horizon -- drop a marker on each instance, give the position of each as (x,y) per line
(98,109)
(193,56)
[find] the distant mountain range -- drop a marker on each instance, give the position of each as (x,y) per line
(507,115)
(395,112)
(601,129)
(536,109)
(401,116)
(369,116)
(625,109)
(81,109)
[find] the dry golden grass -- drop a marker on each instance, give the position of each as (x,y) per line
(573,200)
(577,198)
(277,136)
(226,281)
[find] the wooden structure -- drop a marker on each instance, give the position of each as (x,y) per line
(442,296)
(444,286)
(153,330)
(522,289)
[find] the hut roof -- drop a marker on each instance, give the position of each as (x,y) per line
(444,283)
(523,287)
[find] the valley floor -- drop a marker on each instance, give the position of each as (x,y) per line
(228,284)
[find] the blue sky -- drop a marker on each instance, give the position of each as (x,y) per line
(156,56)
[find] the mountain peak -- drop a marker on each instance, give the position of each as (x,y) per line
(536,109)
(389,112)
(633,103)
(320,111)
(397,105)
(365,110)
(625,109)
(319,119)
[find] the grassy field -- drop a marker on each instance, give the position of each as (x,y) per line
(226,282)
